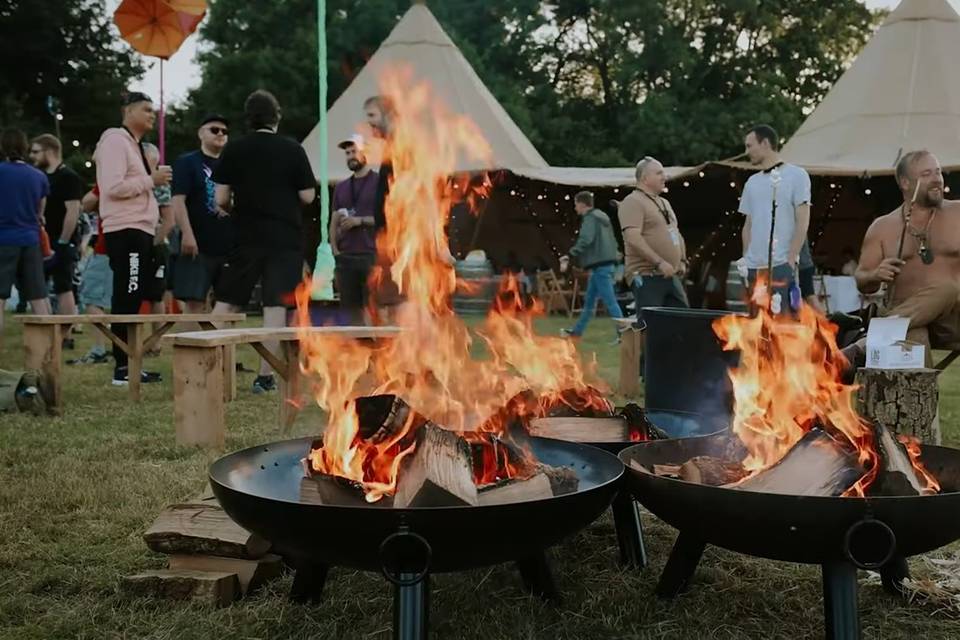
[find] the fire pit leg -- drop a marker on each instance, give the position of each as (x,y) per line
(841,618)
(626,518)
(893,574)
(680,566)
(537,576)
(308,582)
(411,607)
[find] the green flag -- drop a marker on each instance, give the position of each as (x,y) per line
(323,272)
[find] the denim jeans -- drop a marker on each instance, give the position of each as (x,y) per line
(599,286)
(783,281)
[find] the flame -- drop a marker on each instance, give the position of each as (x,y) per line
(912,445)
(787,382)
(430,365)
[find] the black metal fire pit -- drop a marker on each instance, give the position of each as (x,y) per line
(840,534)
(260,489)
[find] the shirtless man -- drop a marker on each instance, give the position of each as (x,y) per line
(923,283)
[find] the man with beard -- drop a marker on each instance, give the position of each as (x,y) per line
(785,226)
(60,218)
(352,228)
(915,252)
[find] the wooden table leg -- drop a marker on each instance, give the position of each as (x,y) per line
(630,349)
(198,407)
(289,386)
(230,369)
(134,359)
(43,344)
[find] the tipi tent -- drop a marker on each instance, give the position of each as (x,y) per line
(419,43)
(901,93)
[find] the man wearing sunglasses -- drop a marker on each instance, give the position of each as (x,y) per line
(207,233)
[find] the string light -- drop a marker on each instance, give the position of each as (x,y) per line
(733,185)
(60,117)
(701,174)
(686,183)
(867,191)
(88,164)
(76,143)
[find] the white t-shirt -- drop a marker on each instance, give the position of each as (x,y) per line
(756,203)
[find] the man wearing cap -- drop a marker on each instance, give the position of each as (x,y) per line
(352,228)
(130,215)
(207,233)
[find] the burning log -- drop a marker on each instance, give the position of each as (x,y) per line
(581,429)
(817,465)
(896,475)
(536,487)
(583,403)
(907,398)
(496,458)
(381,417)
(666,470)
(438,473)
(711,471)
(640,426)
(320,488)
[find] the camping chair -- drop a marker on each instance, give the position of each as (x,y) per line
(579,291)
(551,291)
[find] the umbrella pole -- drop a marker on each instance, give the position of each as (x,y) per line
(322,285)
(163,118)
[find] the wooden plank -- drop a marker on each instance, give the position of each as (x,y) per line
(631,346)
(215,588)
(198,406)
(259,334)
(42,346)
(156,334)
(134,359)
(536,487)
(276,363)
(574,429)
(251,574)
(290,400)
(133,317)
(204,530)
(112,337)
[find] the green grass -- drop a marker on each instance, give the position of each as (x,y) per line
(77,492)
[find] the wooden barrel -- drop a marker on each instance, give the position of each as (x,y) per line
(477,272)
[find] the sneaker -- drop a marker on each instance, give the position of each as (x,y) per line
(68,344)
(91,357)
(263,384)
(568,333)
(121,378)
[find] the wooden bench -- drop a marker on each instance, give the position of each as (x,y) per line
(43,342)
(201,386)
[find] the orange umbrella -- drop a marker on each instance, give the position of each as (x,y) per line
(155,27)
(158,28)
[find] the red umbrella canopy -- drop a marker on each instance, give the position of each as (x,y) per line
(156,27)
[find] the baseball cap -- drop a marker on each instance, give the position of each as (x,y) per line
(354,140)
(214,117)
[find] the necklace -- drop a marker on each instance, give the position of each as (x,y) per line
(659,205)
(921,238)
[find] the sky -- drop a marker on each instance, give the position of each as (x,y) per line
(181,72)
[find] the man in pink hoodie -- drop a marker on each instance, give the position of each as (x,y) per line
(130,214)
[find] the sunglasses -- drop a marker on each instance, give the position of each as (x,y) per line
(218,130)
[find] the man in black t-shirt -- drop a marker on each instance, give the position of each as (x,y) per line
(264,180)
(207,231)
(61,215)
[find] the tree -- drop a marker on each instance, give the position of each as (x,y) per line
(68,50)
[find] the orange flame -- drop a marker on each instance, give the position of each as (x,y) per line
(912,445)
(787,382)
(430,365)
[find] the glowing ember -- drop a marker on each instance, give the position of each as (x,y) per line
(430,365)
(788,381)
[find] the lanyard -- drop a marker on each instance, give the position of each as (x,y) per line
(660,207)
(143,156)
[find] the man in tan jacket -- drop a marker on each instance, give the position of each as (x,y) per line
(654,251)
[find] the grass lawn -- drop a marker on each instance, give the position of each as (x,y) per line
(77,492)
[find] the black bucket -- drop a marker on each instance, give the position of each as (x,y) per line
(685,368)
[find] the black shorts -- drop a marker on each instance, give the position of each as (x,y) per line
(278,271)
(22,266)
(194,276)
(62,273)
(351,274)
(805,276)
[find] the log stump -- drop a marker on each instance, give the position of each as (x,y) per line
(904,400)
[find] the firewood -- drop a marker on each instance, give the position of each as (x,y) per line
(904,399)
(381,417)
(711,471)
(817,465)
(438,473)
(251,574)
(320,488)
(581,429)
(535,487)
(667,470)
(492,453)
(202,530)
(895,473)
(562,479)
(573,403)
(639,424)
(217,588)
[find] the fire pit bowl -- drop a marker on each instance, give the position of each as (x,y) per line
(841,534)
(260,489)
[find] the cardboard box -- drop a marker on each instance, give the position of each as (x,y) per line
(888,348)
